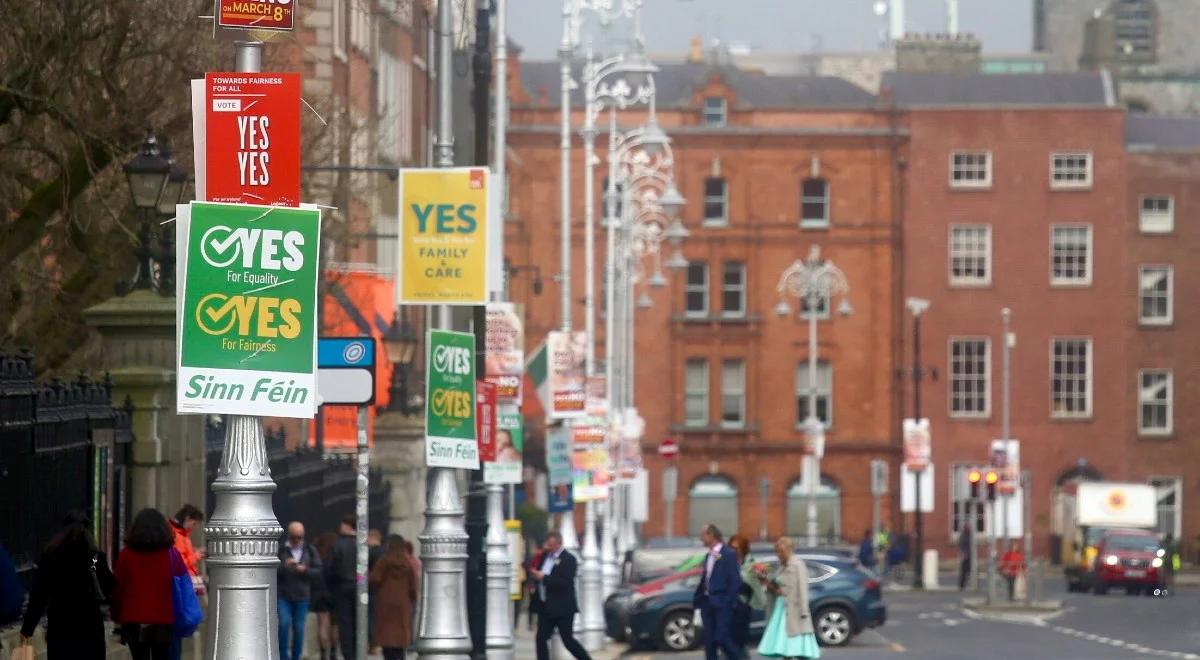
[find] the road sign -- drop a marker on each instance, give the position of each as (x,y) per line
(346,371)
(908,489)
(879,477)
(1006,458)
(257,14)
(450,400)
(247,320)
(252,138)
(668,448)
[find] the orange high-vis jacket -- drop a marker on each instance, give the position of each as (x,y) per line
(183,543)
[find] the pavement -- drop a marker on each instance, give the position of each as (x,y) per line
(935,626)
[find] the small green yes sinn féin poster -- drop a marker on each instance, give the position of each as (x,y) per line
(450,401)
(247,326)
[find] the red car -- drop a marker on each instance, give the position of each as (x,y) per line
(1128,558)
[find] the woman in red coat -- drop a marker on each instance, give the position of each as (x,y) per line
(143,605)
(396,589)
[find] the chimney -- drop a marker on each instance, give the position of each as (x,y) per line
(939,53)
(696,53)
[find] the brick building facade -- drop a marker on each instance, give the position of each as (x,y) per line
(715,367)
(1014,189)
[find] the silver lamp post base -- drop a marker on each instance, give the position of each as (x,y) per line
(589,580)
(442,631)
(499,579)
(243,545)
(610,574)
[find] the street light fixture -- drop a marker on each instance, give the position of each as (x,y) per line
(400,343)
(148,173)
(809,281)
(172,193)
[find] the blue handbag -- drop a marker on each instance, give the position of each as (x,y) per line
(188,613)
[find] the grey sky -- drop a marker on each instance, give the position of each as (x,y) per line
(794,26)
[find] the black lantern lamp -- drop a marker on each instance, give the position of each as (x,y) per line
(148,172)
(156,185)
(400,342)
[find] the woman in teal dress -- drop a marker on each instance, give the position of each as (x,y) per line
(789,632)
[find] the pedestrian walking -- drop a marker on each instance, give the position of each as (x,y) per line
(530,590)
(143,604)
(71,583)
(396,590)
(866,550)
(299,570)
(374,552)
(789,631)
(322,601)
(1012,564)
(717,595)
(416,566)
(185,520)
(966,552)
(555,599)
(752,596)
(341,575)
(897,554)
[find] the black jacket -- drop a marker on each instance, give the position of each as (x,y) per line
(341,571)
(559,586)
(295,586)
(63,591)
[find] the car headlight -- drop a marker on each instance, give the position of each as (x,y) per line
(1156,562)
(1161,552)
(1112,560)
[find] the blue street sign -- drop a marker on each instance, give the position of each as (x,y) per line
(346,371)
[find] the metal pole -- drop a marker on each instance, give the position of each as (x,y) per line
(918,560)
(814,473)
(362,513)
(1026,489)
(442,627)
(1005,498)
(610,567)
(565,84)
(763,485)
(991,569)
(243,533)
(499,636)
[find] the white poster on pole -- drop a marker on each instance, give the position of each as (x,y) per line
(639,497)
(1016,515)
(908,490)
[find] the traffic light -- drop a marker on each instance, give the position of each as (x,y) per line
(973,478)
(992,479)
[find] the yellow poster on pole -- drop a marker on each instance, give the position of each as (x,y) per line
(443,236)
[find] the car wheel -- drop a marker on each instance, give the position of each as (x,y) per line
(834,626)
(676,632)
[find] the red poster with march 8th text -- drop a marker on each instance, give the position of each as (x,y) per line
(252,145)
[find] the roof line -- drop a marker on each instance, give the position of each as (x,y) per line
(738,130)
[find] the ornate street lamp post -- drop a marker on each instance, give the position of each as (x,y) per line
(813,282)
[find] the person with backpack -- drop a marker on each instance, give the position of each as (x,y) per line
(70,585)
(144,605)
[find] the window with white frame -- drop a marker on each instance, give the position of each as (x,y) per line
(695,410)
(715,111)
(696,289)
(733,393)
(970,169)
(824,392)
(970,255)
(1071,170)
(1169,492)
(387,106)
(1155,401)
(1157,214)
(362,32)
(733,289)
(970,362)
(1070,255)
(716,201)
(963,509)
(1071,377)
(814,203)
(1155,284)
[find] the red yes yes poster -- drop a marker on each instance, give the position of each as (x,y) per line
(252,142)
(485,419)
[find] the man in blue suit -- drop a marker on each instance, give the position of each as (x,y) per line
(717,595)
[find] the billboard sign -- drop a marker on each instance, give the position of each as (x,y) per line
(444,224)
(450,439)
(252,138)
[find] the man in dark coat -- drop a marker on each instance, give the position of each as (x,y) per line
(717,595)
(299,569)
(341,575)
(554,599)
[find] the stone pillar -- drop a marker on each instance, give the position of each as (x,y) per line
(138,349)
(400,453)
